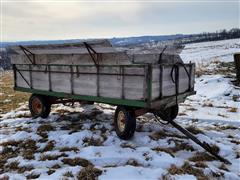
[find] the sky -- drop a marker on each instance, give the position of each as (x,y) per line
(23,20)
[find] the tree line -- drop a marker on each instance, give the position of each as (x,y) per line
(212,36)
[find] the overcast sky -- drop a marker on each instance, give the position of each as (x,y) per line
(45,20)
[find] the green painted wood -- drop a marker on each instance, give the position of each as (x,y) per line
(106,100)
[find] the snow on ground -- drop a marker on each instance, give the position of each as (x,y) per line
(76,142)
(87,133)
(205,52)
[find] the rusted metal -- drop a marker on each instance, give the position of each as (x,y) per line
(140,112)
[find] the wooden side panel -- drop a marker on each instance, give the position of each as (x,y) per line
(61,82)
(20,81)
(73,59)
(128,83)
(134,87)
(40,81)
(85,84)
(156,82)
(168,87)
(183,79)
(110,86)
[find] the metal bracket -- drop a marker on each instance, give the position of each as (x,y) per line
(28,53)
(92,53)
(160,55)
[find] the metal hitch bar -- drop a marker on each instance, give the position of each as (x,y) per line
(204,145)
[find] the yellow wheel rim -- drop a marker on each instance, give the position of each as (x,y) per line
(121,121)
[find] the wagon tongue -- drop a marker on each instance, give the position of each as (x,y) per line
(204,145)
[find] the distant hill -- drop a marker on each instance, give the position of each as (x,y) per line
(124,41)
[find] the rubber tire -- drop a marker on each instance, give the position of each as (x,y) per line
(130,123)
(169,113)
(45,104)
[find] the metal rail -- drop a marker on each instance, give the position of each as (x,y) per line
(204,145)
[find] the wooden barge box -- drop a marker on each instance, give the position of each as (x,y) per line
(96,71)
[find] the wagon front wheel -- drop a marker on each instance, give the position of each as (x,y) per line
(168,114)
(39,106)
(124,122)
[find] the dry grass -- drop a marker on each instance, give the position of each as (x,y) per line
(191,109)
(92,142)
(194,130)
(20,128)
(45,128)
(11,149)
(12,166)
(207,104)
(187,169)
(232,109)
(49,146)
(158,135)
(133,162)
(227,127)
(68,174)
(222,115)
(202,156)
(51,171)
(89,173)
(182,114)
(13,97)
(11,143)
(51,157)
(77,162)
(235,141)
(128,145)
(33,176)
(166,150)
(64,149)
(178,147)
(56,166)
(201,164)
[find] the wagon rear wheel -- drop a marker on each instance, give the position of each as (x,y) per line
(168,114)
(39,106)
(124,122)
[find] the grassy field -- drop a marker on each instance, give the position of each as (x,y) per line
(10,99)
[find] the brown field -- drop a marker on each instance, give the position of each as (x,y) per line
(10,99)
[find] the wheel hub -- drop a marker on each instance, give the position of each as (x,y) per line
(121,121)
(36,106)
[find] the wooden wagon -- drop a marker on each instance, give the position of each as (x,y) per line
(94,71)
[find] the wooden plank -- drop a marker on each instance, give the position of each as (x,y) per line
(97,43)
(20,81)
(77,59)
(85,84)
